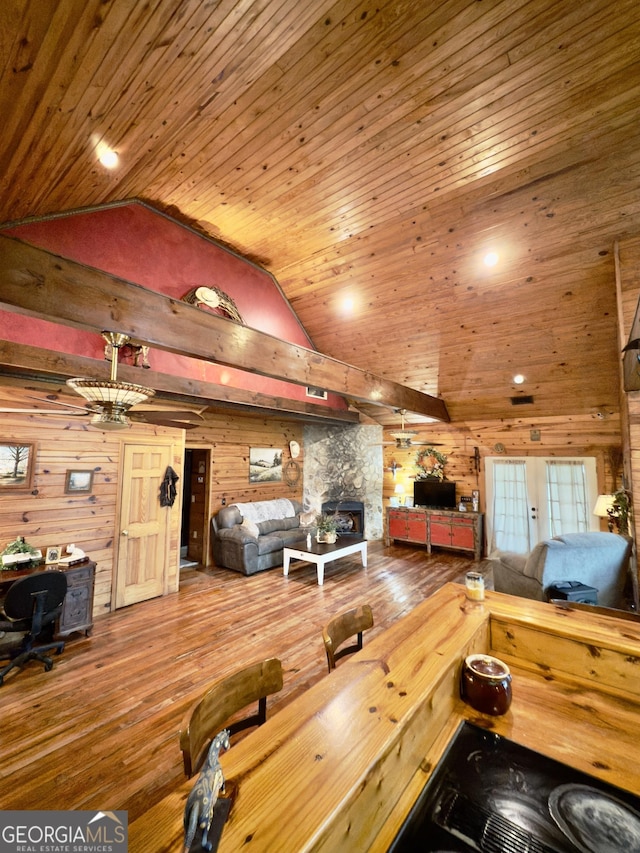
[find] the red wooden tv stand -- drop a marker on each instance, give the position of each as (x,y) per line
(442,528)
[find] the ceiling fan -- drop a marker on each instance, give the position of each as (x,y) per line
(403,439)
(109,402)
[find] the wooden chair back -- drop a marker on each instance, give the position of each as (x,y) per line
(342,627)
(223,699)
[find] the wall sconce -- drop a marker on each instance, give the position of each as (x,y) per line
(393,467)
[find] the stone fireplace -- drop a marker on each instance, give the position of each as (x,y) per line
(343,467)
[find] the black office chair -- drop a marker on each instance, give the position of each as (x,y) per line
(30,609)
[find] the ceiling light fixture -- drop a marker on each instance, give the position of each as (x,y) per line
(491,259)
(108,158)
(111,400)
(403,436)
(518,379)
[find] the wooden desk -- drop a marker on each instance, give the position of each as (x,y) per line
(77,611)
(340,766)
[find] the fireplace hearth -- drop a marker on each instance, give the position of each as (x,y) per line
(349,515)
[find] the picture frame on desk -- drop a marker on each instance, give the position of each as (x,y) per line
(53,555)
(78,482)
(17,464)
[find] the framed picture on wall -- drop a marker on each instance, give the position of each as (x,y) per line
(79,482)
(265,465)
(17,463)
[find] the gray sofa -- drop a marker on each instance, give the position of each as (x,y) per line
(598,560)
(250,537)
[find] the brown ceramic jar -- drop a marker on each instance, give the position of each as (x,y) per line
(486,684)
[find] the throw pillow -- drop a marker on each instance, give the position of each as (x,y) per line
(251,528)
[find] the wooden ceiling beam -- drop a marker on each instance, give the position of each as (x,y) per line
(47,366)
(43,285)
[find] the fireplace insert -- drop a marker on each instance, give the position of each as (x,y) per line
(492,795)
(349,515)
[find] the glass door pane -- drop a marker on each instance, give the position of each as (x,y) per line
(530,499)
(509,525)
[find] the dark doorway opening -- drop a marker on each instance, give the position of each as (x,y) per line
(194,536)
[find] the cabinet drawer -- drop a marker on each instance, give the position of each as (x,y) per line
(465,522)
(396,515)
(81,575)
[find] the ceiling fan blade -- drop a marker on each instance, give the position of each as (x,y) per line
(52,402)
(154,416)
(56,412)
(160,419)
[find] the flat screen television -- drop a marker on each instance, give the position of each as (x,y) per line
(440,494)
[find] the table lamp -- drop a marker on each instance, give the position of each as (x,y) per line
(602,507)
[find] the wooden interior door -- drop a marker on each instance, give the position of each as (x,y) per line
(144,544)
(199,505)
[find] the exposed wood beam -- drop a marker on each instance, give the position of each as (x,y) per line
(21,360)
(43,285)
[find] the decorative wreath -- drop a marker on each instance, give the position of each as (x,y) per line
(430,463)
(292,473)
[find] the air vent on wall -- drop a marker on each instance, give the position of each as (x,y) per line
(319,393)
(524,400)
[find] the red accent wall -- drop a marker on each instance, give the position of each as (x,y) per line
(134,242)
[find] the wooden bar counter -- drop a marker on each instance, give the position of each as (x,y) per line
(340,767)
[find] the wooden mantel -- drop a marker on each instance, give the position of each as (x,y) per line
(340,767)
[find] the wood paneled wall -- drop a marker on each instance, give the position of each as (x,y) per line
(584,435)
(46,516)
(230,438)
(628,281)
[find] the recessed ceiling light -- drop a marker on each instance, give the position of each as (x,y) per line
(491,259)
(518,379)
(347,304)
(108,158)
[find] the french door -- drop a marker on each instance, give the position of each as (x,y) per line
(532,498)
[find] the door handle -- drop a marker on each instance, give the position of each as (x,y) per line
(124,532)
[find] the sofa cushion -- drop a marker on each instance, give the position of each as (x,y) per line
(251,528)
(268,544)
(513,560)
(535,563)
(228,516)
(274,525)
(270,526)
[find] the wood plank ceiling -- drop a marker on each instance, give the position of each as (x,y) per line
(369,151)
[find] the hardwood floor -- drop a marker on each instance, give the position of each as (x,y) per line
(100,731)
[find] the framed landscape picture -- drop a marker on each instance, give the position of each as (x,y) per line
(17,463)
(265,465)
(78,482)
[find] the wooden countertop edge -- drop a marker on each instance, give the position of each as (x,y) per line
(452,627)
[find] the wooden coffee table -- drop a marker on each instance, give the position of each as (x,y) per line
(321,554)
